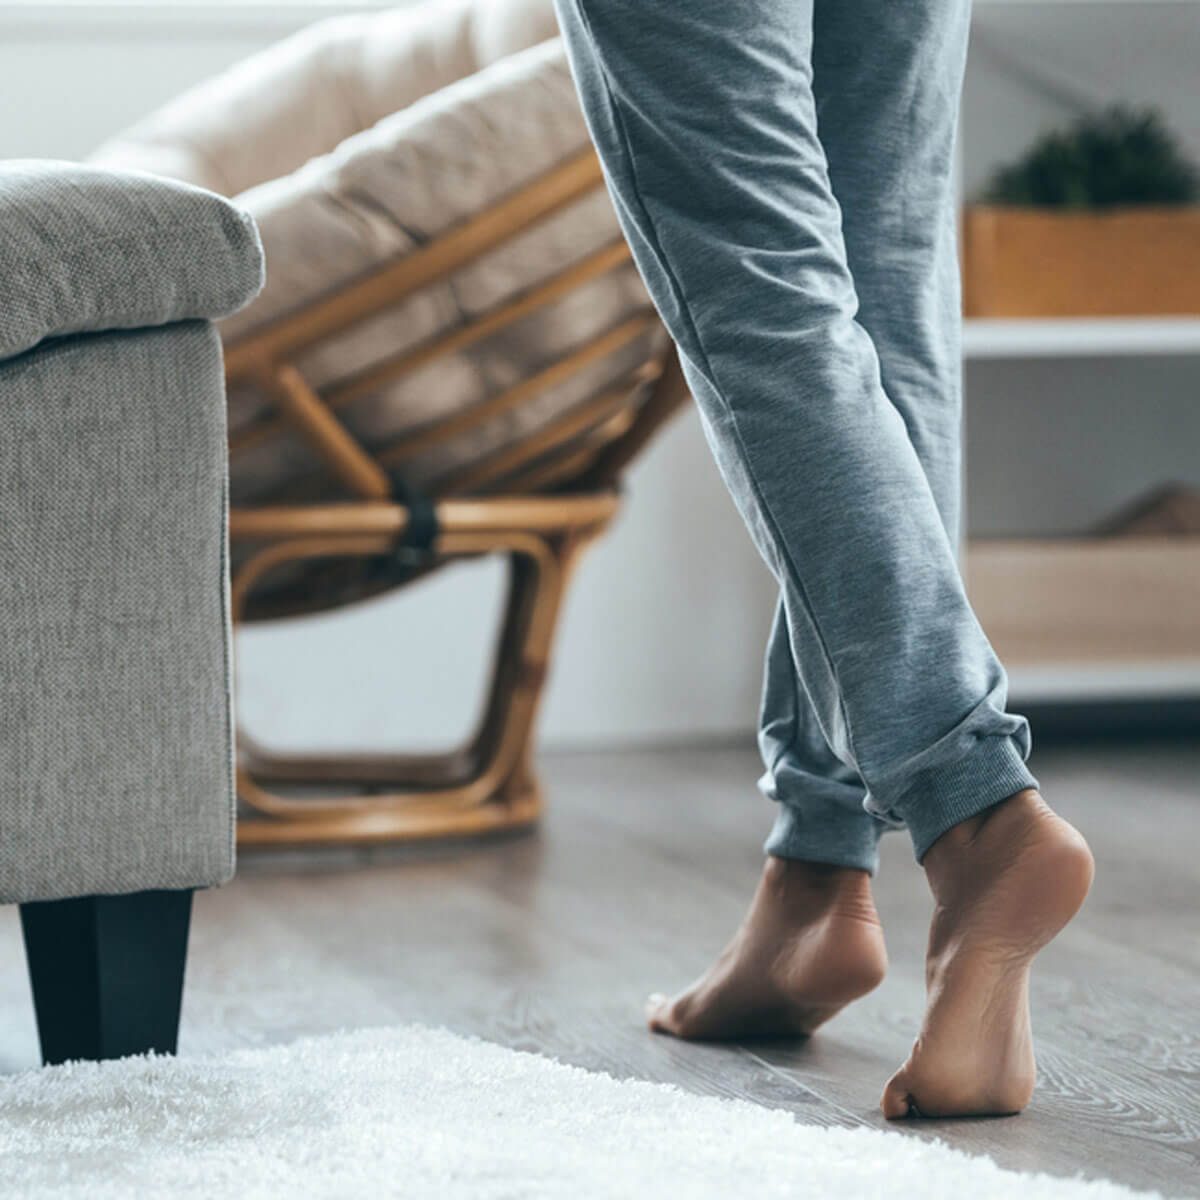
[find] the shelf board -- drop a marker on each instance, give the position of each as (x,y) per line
(1079,337)
(1083,3)
(1074,681)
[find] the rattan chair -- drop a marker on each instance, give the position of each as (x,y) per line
(329,508)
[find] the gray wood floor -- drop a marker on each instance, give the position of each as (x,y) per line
(642,869)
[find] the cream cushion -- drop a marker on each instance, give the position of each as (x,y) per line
(304,135)
(273,112)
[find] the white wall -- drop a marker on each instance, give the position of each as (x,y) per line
(665,625)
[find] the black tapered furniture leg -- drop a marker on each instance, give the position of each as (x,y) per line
(107,972)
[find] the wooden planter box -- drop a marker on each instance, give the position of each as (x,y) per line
(1034,262)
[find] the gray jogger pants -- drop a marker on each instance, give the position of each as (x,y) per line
(783,172)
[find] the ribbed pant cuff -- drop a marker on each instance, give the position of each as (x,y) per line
(841,838)
(940,797)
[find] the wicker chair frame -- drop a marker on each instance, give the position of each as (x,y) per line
(538,504)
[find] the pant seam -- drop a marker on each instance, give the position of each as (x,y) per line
(685,311)
(788,743)
(798,695)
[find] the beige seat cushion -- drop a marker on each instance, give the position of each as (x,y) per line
(273,112)
(392,187)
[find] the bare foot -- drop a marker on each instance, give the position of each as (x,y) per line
(810,944)
(1004,883)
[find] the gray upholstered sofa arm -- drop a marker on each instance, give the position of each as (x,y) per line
(115,741)
(84,249)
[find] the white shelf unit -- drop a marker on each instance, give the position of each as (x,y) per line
(1171,670)
(1038,672)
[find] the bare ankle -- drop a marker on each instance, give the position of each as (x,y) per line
(815,888)
(949,849)
(796,872)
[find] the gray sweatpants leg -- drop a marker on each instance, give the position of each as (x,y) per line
(885,125)
(705,115)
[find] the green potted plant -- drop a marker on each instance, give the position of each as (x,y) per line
(1100,219)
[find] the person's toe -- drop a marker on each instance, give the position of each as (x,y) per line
(897,1102)
(659,1015)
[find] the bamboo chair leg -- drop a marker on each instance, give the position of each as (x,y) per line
(521,672)
(488,786)
(427,770)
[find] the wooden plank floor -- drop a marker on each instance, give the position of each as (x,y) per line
(642,869)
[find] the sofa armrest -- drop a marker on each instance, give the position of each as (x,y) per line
(116,770)
(83,249)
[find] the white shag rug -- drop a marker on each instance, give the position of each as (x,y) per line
(425,1113)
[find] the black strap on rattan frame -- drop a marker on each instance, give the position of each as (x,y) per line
(413,549)
(422,529)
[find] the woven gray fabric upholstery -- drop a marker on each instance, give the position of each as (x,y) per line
(116,746)
(84,249)
(115,733)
